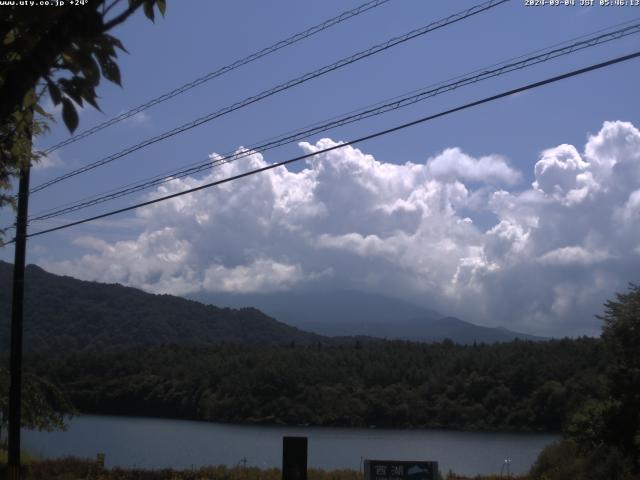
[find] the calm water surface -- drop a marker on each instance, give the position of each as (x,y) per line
(158,443)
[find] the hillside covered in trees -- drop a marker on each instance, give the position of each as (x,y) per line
(518,386)
(66,314)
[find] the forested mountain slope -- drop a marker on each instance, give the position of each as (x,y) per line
(66,314)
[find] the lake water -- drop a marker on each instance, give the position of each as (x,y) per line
(159,443)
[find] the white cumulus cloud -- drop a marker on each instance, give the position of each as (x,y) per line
(453,164)
(556,250)
(573,256)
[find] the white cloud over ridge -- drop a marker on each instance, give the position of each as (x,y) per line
(557,250)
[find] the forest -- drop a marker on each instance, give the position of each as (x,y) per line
(586,388)
(511,386)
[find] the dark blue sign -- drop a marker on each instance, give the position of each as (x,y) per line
(400,470)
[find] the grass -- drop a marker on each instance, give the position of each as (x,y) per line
(73,468)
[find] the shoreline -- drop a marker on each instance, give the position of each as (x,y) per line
(321,426)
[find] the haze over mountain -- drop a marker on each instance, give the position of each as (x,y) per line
(352,312)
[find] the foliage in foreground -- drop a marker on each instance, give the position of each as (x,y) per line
(71,468)
(62,52)
(564,460)
(44,406)
(601,440)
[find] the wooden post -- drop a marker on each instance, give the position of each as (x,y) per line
(15,362)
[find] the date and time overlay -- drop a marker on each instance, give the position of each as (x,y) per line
(581,3)
(526,3)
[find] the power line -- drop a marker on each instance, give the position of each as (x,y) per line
(456,17)
(351,142)
(223,70)
(398,102)
(377,109)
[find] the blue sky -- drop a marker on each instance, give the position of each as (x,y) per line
(511,135)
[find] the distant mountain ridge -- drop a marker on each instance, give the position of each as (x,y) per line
(352,313)
(66,314)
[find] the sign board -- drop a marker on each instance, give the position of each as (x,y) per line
(400,470)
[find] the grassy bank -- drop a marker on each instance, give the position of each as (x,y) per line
(71,468)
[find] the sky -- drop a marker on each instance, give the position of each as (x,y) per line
(522,212)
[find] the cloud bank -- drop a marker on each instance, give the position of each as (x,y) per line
(556,250)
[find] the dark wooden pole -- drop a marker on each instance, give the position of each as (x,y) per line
(294,458)
(15,366)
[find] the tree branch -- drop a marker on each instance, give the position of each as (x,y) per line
(108,8)
(123,16)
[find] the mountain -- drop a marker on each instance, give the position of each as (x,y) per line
(466,333)
(66,314)
(352,313)
(339,312)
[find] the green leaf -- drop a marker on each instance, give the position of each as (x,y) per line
(70,60)
(54,92)
(69,115)
(118,44)
(13,56)
(73,88)
(104,46)
(162,6)
(40,110)
(29,98)
(89,94)
(148,9)
(91,70)
(110,69)
(114,42)
(10,37)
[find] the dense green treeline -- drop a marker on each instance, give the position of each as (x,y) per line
(517,385)
(601,440)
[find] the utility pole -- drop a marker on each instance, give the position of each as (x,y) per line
(15,365)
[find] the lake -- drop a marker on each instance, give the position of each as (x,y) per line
(160,443)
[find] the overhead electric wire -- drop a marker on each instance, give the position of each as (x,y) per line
(377,109)
(456,17)
(223,70)
(427,118)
